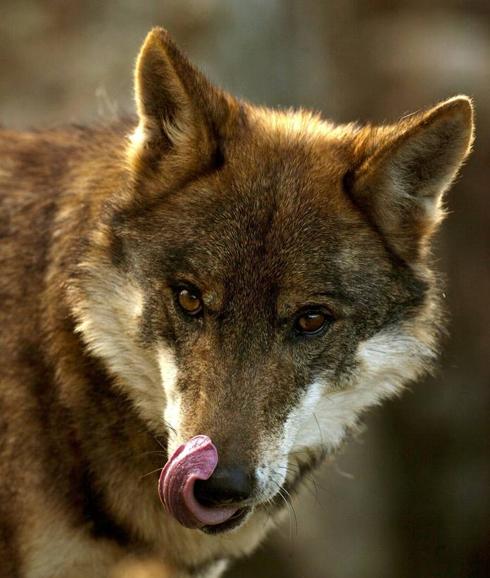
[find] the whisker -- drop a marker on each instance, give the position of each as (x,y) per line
(319,430)
(343,473)
(162,453)
(168,426)
(152,472)
(291,510)
(292,507)
(159,443)
(270,504)
(295,470)
(313,493)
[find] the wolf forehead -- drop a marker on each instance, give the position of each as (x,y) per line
(275,216)
(257,199)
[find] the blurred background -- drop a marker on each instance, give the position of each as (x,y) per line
(410,497)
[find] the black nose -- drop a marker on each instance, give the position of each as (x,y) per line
(225,486)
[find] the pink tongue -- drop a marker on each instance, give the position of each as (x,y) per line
(195,460)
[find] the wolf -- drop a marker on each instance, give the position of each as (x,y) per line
(198,305)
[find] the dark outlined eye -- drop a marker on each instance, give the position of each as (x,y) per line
(312,322)
(189,301)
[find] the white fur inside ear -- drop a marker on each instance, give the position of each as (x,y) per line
(407,186)
(136,143)
(180,132)
(427,160)
(137,137)
(408,168)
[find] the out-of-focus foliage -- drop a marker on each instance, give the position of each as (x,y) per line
(410,498)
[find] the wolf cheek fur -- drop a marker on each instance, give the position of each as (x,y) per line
(266,217)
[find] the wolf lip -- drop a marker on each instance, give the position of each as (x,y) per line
(235,520)
(195,460)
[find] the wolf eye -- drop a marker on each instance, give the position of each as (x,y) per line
(312,322)
(189,301)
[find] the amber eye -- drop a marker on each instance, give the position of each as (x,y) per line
(311,322)
(190,301)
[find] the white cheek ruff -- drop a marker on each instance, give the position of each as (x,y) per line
(108,320)
(324,416)
(301,429)
(386,362)
(172,413)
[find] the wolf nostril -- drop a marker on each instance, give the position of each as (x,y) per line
(225,486)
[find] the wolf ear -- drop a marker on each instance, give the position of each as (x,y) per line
(406,169)
(177,107)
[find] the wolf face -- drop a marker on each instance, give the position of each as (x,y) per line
(261,277)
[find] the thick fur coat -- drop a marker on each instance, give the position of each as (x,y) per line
(277,222)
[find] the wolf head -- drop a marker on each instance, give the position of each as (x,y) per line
(261,277)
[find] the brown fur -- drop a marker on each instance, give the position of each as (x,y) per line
(265,212)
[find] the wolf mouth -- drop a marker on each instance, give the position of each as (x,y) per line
(195,460)
(232,523)
(276,503)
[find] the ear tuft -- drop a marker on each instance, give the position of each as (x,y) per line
(162,102)
(408,167)
(178,109)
